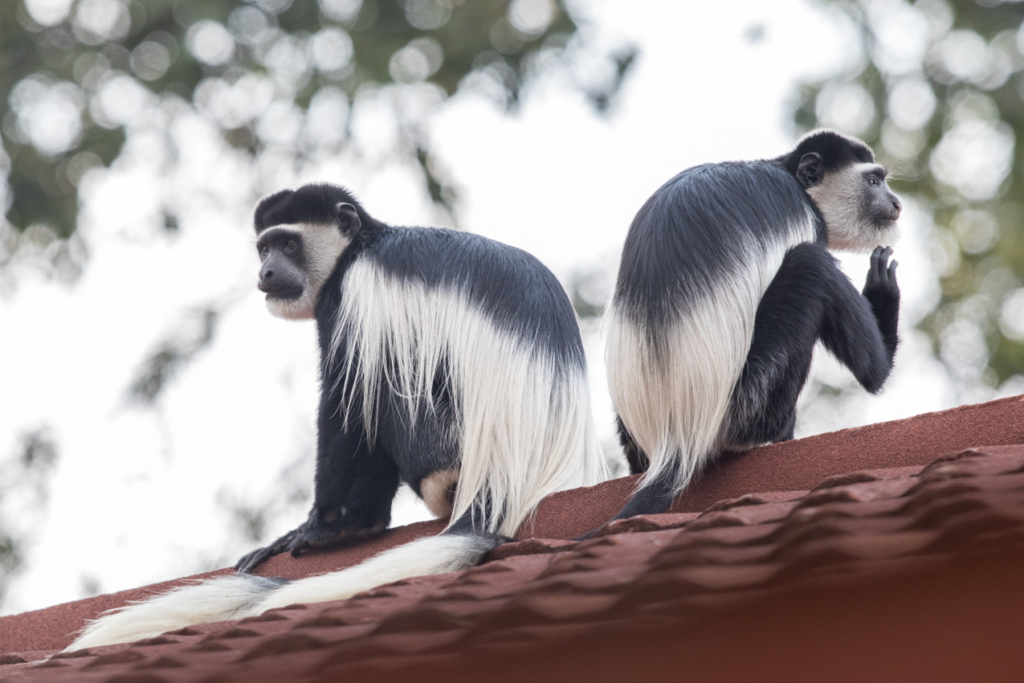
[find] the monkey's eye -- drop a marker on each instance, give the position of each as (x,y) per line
(290,246)
(872,181)
(264,253)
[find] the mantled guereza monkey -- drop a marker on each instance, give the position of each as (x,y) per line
(447,360)
(725,285)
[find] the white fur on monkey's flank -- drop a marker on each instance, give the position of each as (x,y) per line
(525,429)
(322,245)
(672,387)
(838,197)
(245,595)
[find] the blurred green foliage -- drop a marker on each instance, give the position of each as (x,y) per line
(278,76)
(939,94)
(70,71)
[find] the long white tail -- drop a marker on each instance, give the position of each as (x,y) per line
(245,595)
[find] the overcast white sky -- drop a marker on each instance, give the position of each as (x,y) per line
(137,495)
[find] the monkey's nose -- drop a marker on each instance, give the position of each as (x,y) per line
(265,275)
(897,207)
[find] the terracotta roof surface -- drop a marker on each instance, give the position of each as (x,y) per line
(891,563)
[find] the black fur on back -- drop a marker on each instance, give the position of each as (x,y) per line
(837,151)
(690,233)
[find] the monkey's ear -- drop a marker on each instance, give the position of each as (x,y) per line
(348,219)
(808,171)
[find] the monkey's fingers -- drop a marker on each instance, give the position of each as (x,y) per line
(253,560)
(891,272)
(873,268)
(297,545)
(879,261)
(261,555)
(883,261)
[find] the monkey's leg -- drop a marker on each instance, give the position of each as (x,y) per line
(424,444)
(789,431)
(637,459)
(353,491)
(786,327)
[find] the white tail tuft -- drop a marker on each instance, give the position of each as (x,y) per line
(245,595)
(226,597)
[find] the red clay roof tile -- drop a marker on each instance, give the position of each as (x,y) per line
(883,572)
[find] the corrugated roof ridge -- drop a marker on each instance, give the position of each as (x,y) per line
(799,464)
(679,568)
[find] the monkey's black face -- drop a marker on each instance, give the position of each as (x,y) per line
(860,210)
(879,206)
(283,273)
(298,258)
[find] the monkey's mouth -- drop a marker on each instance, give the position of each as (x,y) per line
(281,293)
(890,216)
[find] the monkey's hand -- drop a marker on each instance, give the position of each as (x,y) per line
(883,293)
(261,555)
(319,531)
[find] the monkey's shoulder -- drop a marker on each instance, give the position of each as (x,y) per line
(511,287)
(710,209)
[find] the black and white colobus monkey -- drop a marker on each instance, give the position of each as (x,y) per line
(726,284)
(447,360)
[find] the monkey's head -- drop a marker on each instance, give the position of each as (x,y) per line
(842,179)
(301,235)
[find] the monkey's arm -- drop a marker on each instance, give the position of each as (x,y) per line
(860,330)
(786,327)
(883,294)
(352,497)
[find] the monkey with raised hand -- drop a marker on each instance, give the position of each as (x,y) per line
(725,285)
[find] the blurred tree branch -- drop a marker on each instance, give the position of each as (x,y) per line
(275,76)
(24,486)
(73,73)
